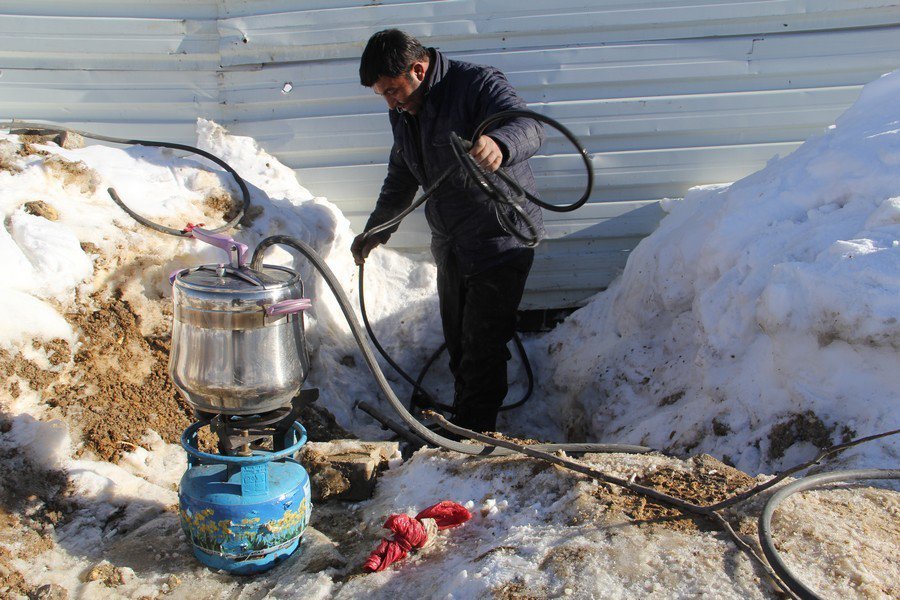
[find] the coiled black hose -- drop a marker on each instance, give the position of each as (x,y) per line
(517,199)
(245,193)
(421,398)
(490,187)
(499,197)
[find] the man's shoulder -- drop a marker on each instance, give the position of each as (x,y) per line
(473,71)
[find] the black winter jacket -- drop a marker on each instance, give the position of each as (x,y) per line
(459,96)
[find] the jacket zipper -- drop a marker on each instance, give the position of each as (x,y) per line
(413,124)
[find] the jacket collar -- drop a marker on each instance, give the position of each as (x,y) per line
(439,64)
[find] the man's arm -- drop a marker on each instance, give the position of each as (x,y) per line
(517,138)
(397,193)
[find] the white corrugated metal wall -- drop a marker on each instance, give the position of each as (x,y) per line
(665,94)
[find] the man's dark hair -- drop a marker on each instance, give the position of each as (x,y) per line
(389,53)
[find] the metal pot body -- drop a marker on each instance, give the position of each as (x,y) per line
(228,356)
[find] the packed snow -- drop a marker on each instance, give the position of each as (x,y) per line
(759,322)
(753,303)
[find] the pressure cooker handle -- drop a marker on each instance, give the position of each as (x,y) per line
(236,250)
(287,307)
(174,274)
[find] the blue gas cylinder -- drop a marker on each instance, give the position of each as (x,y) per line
(244,514)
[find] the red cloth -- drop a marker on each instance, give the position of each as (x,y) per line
(447,514)
(411,533)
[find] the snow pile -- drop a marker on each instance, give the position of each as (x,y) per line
(762,318)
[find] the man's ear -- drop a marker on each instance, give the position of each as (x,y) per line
(419,70)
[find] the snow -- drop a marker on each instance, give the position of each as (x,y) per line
(754,304)
(28,317)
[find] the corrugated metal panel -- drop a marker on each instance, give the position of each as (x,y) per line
(339,30)
(132,68)
(665,94)
(699,98)
(44,42)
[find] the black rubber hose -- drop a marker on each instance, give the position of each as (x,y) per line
(418,388)
(765,519)
(416,204)
(460,149)
(369,356)
(529,374)
(245,192)
(585,157)
(515,201)
(365,317)
(413,401)
(483,181)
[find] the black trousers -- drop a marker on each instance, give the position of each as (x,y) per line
(478,313)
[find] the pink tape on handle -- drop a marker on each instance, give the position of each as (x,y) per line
(224,242)
(287,307)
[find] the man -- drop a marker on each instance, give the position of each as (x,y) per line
(481,267)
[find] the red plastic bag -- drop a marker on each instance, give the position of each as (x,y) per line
(411,533)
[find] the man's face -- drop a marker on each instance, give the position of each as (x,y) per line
(404,92)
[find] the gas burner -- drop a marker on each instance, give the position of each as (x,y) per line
(240,435)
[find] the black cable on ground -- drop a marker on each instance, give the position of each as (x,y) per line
(765,519)
(245,192)
(772,564)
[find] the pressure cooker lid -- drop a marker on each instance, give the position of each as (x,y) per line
(219,278)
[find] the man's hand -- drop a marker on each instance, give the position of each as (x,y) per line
(487,154)
(361,247)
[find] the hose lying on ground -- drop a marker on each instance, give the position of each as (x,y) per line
(813,481)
